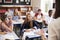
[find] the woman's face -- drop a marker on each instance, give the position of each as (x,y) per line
(39,12)
(10,17)
(6,20)
(29,17)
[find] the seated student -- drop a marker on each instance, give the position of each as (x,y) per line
(39,15)
(6,28)
(9,12)
(0,28)
(49,18)
(15,16)
(29,24)
(5,25)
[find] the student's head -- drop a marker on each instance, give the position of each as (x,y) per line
(8,10)
(39,10)
(50,12)
(28,17)
(57,12)
(3,17)
(15,12)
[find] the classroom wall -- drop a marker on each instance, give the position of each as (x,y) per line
(35,4)
(44,5)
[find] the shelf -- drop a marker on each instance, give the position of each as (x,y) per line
(22,9)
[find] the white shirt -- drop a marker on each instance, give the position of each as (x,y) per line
(54,30)
(48,19)
(10,13)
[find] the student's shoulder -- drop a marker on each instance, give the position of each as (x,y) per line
(34,21)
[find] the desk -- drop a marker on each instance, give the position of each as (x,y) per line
(32,35)
(18,22)
(17,27)
(10,36)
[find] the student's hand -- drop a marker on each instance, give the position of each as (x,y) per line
(10,31)
(7,28)
(3,33)
(27,30)
(33,29)
(41,32)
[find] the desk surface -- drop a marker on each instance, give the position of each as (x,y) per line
(32,34)
(18,22)
(9,36)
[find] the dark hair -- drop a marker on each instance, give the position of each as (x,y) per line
(57,12)
(50,12)
(39,9)
(3,17)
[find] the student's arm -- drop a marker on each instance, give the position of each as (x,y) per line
(43,38)
(11,27)
(41,33)
(2,33)
(10,22)
(35,23)
(25,28)
(4,26)
(44,21)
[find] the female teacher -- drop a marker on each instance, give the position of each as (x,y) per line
(54,27)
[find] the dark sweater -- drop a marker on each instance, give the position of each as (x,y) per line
(35,23)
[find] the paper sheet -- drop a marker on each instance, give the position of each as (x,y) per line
(10,36)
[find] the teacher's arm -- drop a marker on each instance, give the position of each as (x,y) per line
(52,31)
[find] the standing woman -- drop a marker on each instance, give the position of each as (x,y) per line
(54,27)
